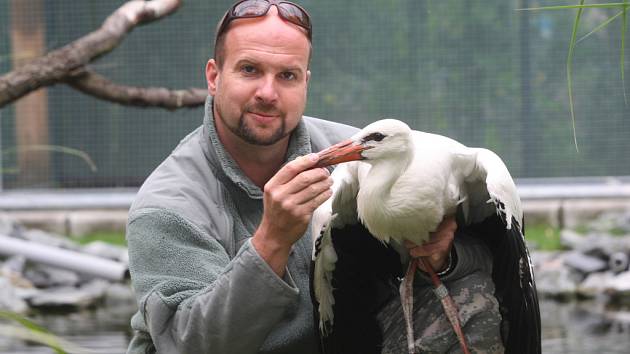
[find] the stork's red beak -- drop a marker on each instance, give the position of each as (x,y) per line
(344,151)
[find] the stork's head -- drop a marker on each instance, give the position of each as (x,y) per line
(383,139)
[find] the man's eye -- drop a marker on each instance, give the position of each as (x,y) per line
(248,69)
(287,75)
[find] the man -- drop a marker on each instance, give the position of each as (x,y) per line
(218,242)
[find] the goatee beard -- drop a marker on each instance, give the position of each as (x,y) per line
(246,133)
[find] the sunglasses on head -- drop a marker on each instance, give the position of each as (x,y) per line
(257,8)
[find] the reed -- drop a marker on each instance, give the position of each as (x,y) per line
(574,40)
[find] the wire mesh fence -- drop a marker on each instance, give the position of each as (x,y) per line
(480,72)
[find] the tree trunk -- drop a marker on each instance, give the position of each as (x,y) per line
(28,41)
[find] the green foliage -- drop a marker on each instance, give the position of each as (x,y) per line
(114,238)
(30,331)
(617,231)
(544,237)
(614,231)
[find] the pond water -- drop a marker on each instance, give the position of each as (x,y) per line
(584,327)
(103,330)
(568,327)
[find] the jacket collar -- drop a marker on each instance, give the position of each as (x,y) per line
(224,165)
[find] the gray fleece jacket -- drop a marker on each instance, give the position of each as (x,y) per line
(200,285)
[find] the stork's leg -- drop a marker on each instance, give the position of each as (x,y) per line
(406,299)
(447,303)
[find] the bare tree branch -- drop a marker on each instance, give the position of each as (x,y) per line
(96,85)
(67,64)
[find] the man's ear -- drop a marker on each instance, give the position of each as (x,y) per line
(212,76)
(308,75)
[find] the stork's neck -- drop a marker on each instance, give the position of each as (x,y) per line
(383,176)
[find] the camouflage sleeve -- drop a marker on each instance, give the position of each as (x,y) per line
(472,290)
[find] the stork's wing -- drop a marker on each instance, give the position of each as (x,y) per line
(353,273)
(339,210)
(493,212)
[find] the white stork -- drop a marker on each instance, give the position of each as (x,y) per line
(400,184)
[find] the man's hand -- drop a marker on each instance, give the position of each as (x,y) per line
(290,198)
(438,247)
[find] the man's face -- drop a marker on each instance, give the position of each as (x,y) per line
(260,92)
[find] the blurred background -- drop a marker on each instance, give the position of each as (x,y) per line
(481,72)
(478,71)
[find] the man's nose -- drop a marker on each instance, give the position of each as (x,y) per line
(267,91)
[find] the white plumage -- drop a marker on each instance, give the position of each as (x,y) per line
(404,185)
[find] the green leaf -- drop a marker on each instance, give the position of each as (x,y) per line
(598,28)
(576,24)
(22,320)
(30,331)
(569,67)
(581,6)
(55,148)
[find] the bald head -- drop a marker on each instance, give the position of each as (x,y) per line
(270,29)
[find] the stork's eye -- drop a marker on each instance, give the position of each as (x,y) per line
(374,137)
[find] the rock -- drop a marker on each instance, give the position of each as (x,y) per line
(7,224)
(594,242)
(623,222)
(584,263)
(49,239)
(555,280)
(578,212)
(96,287)
(572,240)
(119,294)
(617,287)
(541,257)
(14,264)
(594,284)
(62,297)
(13,268)
(69,297)
(611,222)
(26,293)
(46,276)
(618,262)
(48,220)
(83,222)
(106,250)
(9,299)
(620,284)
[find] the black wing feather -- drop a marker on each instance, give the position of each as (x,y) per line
(364,279)
(514,282)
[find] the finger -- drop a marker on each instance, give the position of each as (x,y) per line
(429,249)
(306,179)
(313,191)
(446,233)
(409,245)
(436,266)
(424,251)
(448,224)
(307,208)
(438,258)
(293,168)
(319,199)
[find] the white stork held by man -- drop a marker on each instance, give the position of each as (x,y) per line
(400,184)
